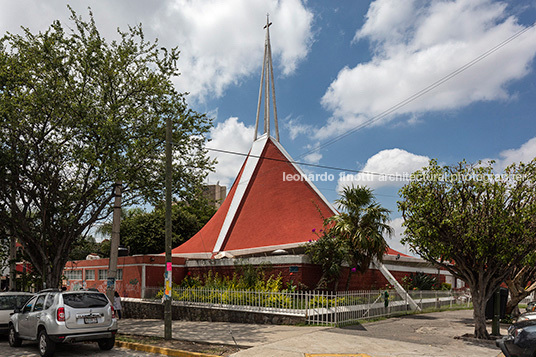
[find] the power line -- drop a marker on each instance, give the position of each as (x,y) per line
(421,92)
(387,112)
(307,164)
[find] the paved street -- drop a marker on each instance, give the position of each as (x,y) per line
(82,349)
(414,335)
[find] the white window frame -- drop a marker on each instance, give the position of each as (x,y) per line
(73,274)
(91,272)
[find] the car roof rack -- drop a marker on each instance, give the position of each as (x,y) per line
(49,290)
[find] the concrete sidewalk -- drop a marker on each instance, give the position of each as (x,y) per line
(244,335)
(414,335)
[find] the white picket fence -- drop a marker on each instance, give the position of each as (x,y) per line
(317,307)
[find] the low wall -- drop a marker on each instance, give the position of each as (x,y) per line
(139,309)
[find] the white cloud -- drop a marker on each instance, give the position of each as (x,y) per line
(230,135)
(221,42)
(390,167)
(417,45)
(312,155)
(525,153)
(313,158)
(398,234)
(295,127)
(387,20)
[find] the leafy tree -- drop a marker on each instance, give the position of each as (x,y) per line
(420,281)
(362,223)
(144,232)
(77,114)
(84,246)
(330,251)
(473,223)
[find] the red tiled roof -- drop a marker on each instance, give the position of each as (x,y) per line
(391,251)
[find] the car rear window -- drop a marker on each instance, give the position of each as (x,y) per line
(10,302)
(81,300)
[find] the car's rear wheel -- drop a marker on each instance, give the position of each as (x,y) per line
(107,343)
(46,345)
(14,340)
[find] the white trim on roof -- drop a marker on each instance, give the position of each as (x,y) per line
(193,255)
(251,164)
(270,248)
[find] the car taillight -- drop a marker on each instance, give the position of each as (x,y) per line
(113,312)
(60,314)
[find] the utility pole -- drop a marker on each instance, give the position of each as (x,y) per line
(169,267)
(114,243)
(496,322)
(12,263)
(13,241)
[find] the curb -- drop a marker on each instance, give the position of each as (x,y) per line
(161,350)
(336,355)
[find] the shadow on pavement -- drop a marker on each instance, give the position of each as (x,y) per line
(420,317)
(356,327)
(348,330)
(466,321)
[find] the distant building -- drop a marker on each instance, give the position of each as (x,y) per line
(215,194)
(137,276)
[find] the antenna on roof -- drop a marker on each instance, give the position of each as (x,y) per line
(267,77)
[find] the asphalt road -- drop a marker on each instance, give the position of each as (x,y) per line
(29,349)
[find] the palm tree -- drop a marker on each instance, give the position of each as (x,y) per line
(362,223)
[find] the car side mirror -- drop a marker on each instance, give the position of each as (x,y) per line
(16,311)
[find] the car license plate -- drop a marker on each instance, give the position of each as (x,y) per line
(90,320)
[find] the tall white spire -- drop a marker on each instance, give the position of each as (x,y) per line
(267,78)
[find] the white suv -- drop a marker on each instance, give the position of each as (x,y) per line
(54,316)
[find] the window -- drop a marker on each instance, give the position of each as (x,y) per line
(28,306)
(90,274)
(73,274)
(50,301)
(11,301)
(39,303)
(103,274)
(85,300)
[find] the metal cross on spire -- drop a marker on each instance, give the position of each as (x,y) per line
(267,77)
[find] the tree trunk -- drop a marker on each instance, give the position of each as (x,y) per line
(479,314)
(519,290)
(53,280)
(515,299)
(336,285)
(322,283)
(348,280)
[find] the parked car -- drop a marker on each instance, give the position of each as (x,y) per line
(520,341)
(531,306)
(526,316)
(54,316)
(9,301)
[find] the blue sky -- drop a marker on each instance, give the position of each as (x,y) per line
(339,64)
